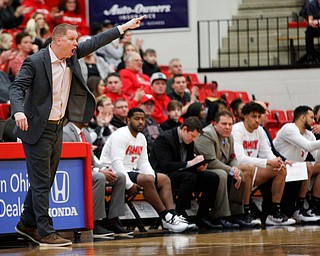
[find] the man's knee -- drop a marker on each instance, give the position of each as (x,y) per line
(145,180)
(163,178)
(248,171)
(98,177)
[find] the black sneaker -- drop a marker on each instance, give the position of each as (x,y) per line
(227,224)
(100,232)
(116,226)
(249,221)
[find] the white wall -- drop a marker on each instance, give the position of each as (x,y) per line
(184,44)
(283,89)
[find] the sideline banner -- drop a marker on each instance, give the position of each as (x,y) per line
(160,14)
(66,197)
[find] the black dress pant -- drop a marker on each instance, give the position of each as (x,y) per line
(42,162)
(191,181)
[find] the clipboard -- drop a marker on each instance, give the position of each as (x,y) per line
(205,161)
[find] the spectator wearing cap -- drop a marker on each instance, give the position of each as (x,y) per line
(132,76)
(158,90)
(151,129)
(114,91)
(112,52)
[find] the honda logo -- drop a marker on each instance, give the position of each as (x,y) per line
(60,190)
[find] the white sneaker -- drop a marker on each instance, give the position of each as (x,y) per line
(279,219)
(313,213)
(173,223)
(302,216)
(191,226)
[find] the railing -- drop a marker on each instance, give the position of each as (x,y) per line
(260,43)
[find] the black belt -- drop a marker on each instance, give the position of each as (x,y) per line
(57,122)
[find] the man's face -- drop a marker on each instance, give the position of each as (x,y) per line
(107,107)
(252,120)
(188,136)
(114,84)
(176,68)
(148,107)
(179,84)
(121,109)
(151,58)
(309,120)
(175,114)
(224,126)
(159,87)
(137,121)
(135,63)
(67,44)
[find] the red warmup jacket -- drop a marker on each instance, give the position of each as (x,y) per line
(131,81)
(76,20)
(160,113)
(37,7)
(114,96)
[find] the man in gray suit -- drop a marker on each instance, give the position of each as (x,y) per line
(101,174)
(48,89)
(216,142)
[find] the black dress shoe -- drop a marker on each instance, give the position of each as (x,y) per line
(227,224)
(116,226)
(208,222)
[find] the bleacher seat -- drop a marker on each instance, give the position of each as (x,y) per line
(192,79)
(230,95)
(207,90)
(4,111)
(279,115)
(273,131)
(289,115)
(165,70)
(243,96)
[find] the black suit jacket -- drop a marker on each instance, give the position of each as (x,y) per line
(165,155)
(31,92)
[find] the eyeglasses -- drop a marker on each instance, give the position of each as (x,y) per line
(119,107)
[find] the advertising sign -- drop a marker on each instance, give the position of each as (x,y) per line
(161,14)
(66,197)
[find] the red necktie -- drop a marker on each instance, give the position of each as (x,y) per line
(83,138)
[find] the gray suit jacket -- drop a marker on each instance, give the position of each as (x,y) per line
(209,145)
(31,92)
(70,134)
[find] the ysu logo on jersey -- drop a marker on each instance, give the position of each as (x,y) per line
(134,150)
(250,144)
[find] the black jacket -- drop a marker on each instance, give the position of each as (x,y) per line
(165,155)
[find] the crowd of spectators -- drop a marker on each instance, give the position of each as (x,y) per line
(122,77)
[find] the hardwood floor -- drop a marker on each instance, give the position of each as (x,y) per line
(277,241)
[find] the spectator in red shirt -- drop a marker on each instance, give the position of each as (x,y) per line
(70,13)
(158,90)
(37,6)
(114,92)
(132,76)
